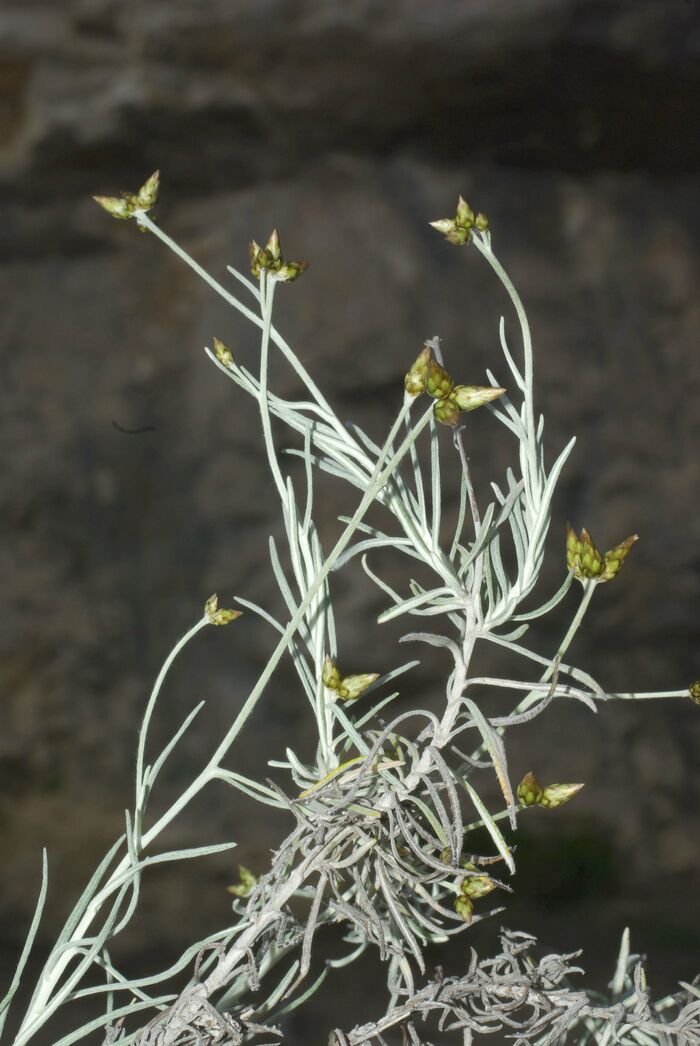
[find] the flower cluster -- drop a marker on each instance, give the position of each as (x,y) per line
(427,375)
(588,563)
(217,616)
(530,792)
(458,230)
(269,259)
(345,687)
(128,204)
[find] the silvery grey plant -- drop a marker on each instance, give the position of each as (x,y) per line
(381,820)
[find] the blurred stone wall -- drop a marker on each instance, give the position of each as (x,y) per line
(348,126)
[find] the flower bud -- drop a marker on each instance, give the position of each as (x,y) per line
(352,686)
(529,791)
(590,560)
(416,378)
(246,884)
(615,557)
(117,206)
(288,272)
(256,254)
(222,353)
(458,229)
(694,691)
(216,616)
(588,563)
(465,215)
(438,382)
(330,676)
(448,228)
(446,412)
(469,397)
(572,549)
(476,886)
(148,193)
(273,247)
(557,794)
(464,907)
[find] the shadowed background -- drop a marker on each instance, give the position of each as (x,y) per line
(348,126)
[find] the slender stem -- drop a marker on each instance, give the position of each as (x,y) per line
(500,816)
(267,294)
(476,516)
(143,732)
(376,483)
(646,695)
(484,248)
(50,978)
(144,221)
(589,588)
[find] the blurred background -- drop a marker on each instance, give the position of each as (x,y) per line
(348,125)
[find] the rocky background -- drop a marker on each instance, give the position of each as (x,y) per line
(348,124)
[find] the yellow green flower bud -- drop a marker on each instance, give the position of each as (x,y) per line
(557,794)
(148,193)
(529,791)
(464,907)
(458,229)
(117,206)
(270,259)
(590,560)
(476,886)
(288,272)
(694,691)
(465,215)
(246,884)
(438,382)
(469,397)
(222,353)
(451,231)
(216,616)
(588,563)
(615,557)
(572,549)
(352,686)
(273,248)
(416,378)
(257,258)
(330,676)
(446,412)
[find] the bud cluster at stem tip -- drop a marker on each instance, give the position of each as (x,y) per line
(128,204)
(694,691)
(531,793)
(269,259)
(588,563)
(222,353)
(458,230)
(345,687)
(473,888)
(246,884)
(217,616)
(427,375)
